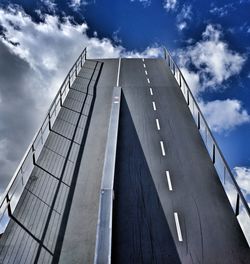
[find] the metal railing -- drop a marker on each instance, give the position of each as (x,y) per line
(14,190)
(231,187)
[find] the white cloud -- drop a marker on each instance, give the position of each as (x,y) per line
(207,64)
(145,3)
(224,115)
(222,11)
(182,25)
(184,17)
(169,4)
(50,4)
(39,61)
(212,59)
(242,175)
(76,4)
(192,80)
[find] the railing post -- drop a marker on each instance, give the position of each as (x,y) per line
(213,153)
(8,206)
(60,97)
(237,209)
(49,121)
(33,154)
(187,96)
(165,53)
(199,120)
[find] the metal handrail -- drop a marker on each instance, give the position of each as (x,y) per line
(6,198)
(215,147)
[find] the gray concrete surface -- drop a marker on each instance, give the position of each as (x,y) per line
(79,241)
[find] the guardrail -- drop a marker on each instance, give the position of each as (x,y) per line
(14,190)
(105,216)
(231,187)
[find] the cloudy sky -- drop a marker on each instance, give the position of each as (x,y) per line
(39,41)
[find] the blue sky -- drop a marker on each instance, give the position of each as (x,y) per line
(40,40)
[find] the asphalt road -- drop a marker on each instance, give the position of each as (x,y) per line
(169,202)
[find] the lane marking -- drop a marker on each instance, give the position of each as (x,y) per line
(144,65)
(151,91)
(157,124)
(169,181)
(143,59)
(148,80)
(154,106)
(146,72)
(118,72)
(178,228)
(162,149)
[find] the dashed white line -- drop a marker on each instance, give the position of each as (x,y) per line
(143,59)
(154,106)
(162,149)
(157,124)
(169,181)
(144,65)
(146,72)
(148,80)
(151,91)
(178,228)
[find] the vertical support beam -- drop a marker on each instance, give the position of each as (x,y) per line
(213,157)
(61,98)
(33,154)
(49,121)
(8,206)
(199,120)
(237,208)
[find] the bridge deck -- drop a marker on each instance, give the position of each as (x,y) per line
(57,215)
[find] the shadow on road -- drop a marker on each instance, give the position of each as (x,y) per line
(140,231)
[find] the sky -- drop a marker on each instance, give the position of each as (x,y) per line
(210,41)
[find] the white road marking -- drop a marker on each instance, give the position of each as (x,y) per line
(157,124)
(162,149)
(146,72)
(169,181)
(148,80)
(154,106)
(143,60)
(144,65)
(118,73)
(151,91)
(178,228)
